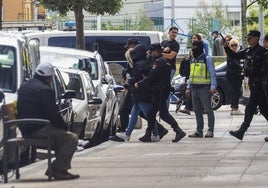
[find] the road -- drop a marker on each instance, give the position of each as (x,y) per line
(222,161)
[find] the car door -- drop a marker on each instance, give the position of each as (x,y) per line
(94,115)
(64,104)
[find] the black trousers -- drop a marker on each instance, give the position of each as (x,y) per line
(257,98)
(161,107)
(235,82)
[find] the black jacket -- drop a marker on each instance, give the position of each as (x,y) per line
(254,60)
(141,69)
(159,79)
(36,99)
(234,69)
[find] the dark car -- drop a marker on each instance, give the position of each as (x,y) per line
(221,97)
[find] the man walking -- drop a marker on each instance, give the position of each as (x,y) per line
(159,82)
(255,60)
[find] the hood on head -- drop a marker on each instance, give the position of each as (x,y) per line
(138,53)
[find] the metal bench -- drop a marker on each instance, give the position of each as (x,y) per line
(16,142)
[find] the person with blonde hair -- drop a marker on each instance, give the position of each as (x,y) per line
(234,77)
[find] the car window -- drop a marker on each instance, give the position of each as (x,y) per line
(72,61)
(8,72)
(57,86)
(73,82)
(89,86)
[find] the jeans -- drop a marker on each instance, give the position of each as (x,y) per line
(201,100)
(136,109)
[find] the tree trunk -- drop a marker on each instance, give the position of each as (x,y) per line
(244,22)
(1,6)
(79,20)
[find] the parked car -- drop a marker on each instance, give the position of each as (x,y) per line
(86,105)
(221,97)
(102,79)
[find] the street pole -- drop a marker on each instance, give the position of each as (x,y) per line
(261,21)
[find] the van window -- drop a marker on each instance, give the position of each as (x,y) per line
(111,48)
(8,72)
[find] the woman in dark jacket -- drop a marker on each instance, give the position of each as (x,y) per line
(234,77)
(141,97)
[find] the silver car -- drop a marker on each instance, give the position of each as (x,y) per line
(102,79)
(86,105)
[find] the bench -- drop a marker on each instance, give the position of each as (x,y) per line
(16,142)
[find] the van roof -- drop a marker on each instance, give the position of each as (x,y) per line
(62,50)
(154,35)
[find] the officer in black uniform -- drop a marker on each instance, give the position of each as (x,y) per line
(255,58)
(159,82)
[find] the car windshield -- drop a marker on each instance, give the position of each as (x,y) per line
(8,72)
(74,82)
(71,61)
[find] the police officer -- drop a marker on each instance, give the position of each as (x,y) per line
(255,58)
(159,82)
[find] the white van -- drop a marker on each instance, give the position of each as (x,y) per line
(110,44)
(18,57)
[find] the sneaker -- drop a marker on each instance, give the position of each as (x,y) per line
(123,136)
(155,138)
(209,134)
(116,139)
(266,139)
(196,135)
(185,111)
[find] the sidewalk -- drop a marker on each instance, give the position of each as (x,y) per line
(222,161)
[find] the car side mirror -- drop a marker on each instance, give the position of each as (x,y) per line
(107,79)
(118,88)
(68,94)
(95,100)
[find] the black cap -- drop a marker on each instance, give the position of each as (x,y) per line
(132,41)
(156,46)
(216,32)
(254,33)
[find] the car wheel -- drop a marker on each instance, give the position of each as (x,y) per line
(217,100)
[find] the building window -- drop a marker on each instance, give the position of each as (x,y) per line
(234,18)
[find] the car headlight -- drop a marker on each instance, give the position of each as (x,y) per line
(178,80)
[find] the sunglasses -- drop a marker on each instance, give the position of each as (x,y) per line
(234,45)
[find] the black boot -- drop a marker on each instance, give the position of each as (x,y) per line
(161,130)
(146,137)
(239,134)
(179,135)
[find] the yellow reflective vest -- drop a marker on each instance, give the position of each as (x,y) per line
(199,73)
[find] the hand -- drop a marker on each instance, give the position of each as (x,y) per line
(188,93)
(224,42)
(212,91)
(166,49)
(136,85)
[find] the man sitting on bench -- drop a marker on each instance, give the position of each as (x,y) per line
(36,99)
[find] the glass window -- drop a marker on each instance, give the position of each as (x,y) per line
(74,82)
(111,48)
(8,73)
